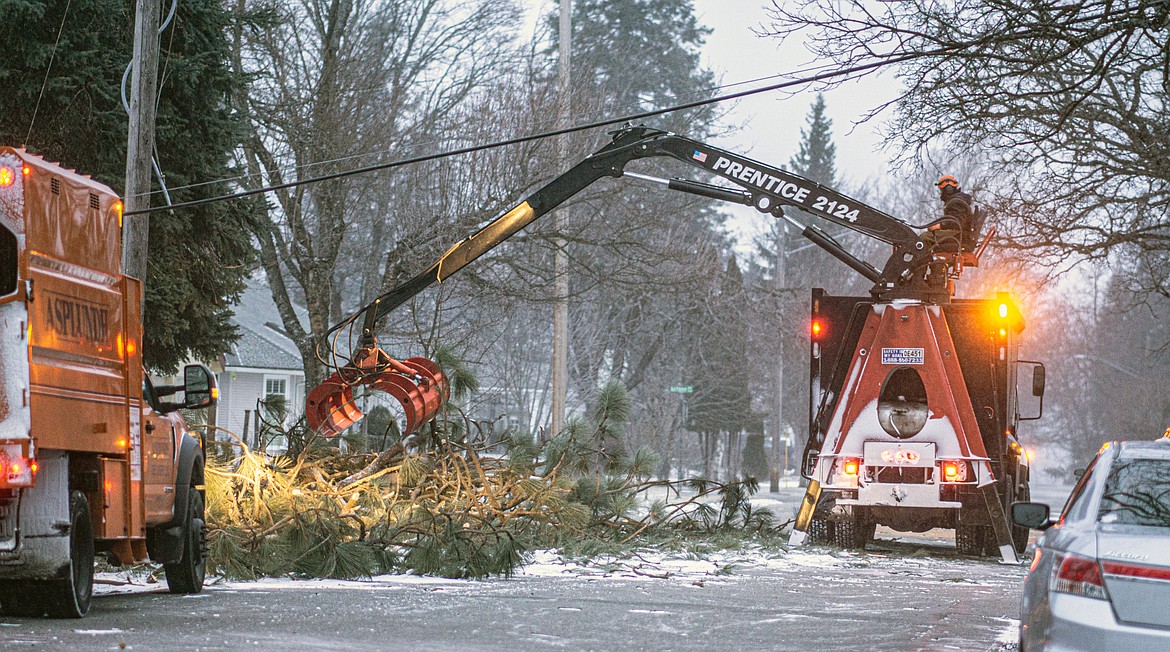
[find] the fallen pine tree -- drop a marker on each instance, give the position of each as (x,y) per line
(442,503)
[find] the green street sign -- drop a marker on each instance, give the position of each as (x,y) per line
(683,389)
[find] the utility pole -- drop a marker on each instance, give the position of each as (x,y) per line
(778,280)
(140,145)
(560,362)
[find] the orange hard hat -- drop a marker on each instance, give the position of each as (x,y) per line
(947,180)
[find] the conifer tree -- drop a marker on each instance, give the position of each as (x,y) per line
(76,51)
(817,157)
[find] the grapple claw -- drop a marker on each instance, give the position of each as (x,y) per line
(417,383)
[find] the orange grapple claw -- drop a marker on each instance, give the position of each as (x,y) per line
(417,383)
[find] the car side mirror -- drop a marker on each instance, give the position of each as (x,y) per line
(199,387)
(1033,516)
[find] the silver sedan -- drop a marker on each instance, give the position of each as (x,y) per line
(1100,578)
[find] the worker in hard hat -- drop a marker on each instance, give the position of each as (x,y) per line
(957,229)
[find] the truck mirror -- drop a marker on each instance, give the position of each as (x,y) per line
(199,387)
(1031,408)
(1031,515)
(1038,377)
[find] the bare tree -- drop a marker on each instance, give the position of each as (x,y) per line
(338,83)
(1069,99)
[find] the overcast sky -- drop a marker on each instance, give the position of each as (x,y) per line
(769,124)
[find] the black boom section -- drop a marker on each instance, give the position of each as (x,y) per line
(766,188)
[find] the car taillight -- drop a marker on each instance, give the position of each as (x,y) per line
(1079,576)
(1133,570)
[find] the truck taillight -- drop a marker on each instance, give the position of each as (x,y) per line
(16,470)
(816,329)
(851,466)
(953,471)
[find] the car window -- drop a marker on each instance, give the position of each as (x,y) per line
(1078,501)
(1137,492)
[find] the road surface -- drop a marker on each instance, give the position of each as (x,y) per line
(907,592)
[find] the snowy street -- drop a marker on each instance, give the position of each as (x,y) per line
(907,592)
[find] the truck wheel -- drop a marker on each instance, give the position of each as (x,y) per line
(1020,534)
(820,530)
(971,539)
(870,530)
(22,599)
(187,574)
(71,596)
(849,534)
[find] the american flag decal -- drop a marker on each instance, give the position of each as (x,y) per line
(699,156)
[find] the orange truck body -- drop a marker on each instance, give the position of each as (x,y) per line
(73,414)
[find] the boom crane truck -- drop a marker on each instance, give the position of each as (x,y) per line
(914,408)
(93,458)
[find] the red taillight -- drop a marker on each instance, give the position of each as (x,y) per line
(1130,570)
(816,328)
(851,466)
(1078,576)
(951,471)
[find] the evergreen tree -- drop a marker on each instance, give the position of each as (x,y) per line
(632,55)
(198,256)
(817,157)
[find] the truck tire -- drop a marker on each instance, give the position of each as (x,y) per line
(71,596)
(851,534)
(1020,534)
(187,574)
(22,598)
(973,539)
(820,530)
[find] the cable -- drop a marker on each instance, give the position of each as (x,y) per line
(546,134)
(48,69)
(702,93)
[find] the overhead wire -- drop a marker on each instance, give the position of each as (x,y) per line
(842,72)
(48,69)
(550,120)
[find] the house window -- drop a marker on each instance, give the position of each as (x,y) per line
(275,387)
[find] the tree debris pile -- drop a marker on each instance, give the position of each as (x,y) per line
(439,504)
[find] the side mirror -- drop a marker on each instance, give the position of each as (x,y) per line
(1033,408)
(1077,473)
(1031,515)
(199,387)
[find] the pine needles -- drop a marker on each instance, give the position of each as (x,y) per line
(438,504)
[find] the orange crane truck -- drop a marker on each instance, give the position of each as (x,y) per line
(92,458)
(915,406)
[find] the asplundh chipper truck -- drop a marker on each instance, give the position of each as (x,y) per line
(93,458)
(914,400)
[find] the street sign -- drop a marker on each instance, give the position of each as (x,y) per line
(683,389)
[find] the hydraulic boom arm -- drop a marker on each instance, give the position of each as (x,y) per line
(330,407)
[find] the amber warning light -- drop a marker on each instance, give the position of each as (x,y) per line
(7,176)
(816,328)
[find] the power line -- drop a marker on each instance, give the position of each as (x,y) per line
(578,116)
(844,72)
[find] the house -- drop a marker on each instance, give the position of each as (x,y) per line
(264,362)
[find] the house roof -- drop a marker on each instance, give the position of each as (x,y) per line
(262,343)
